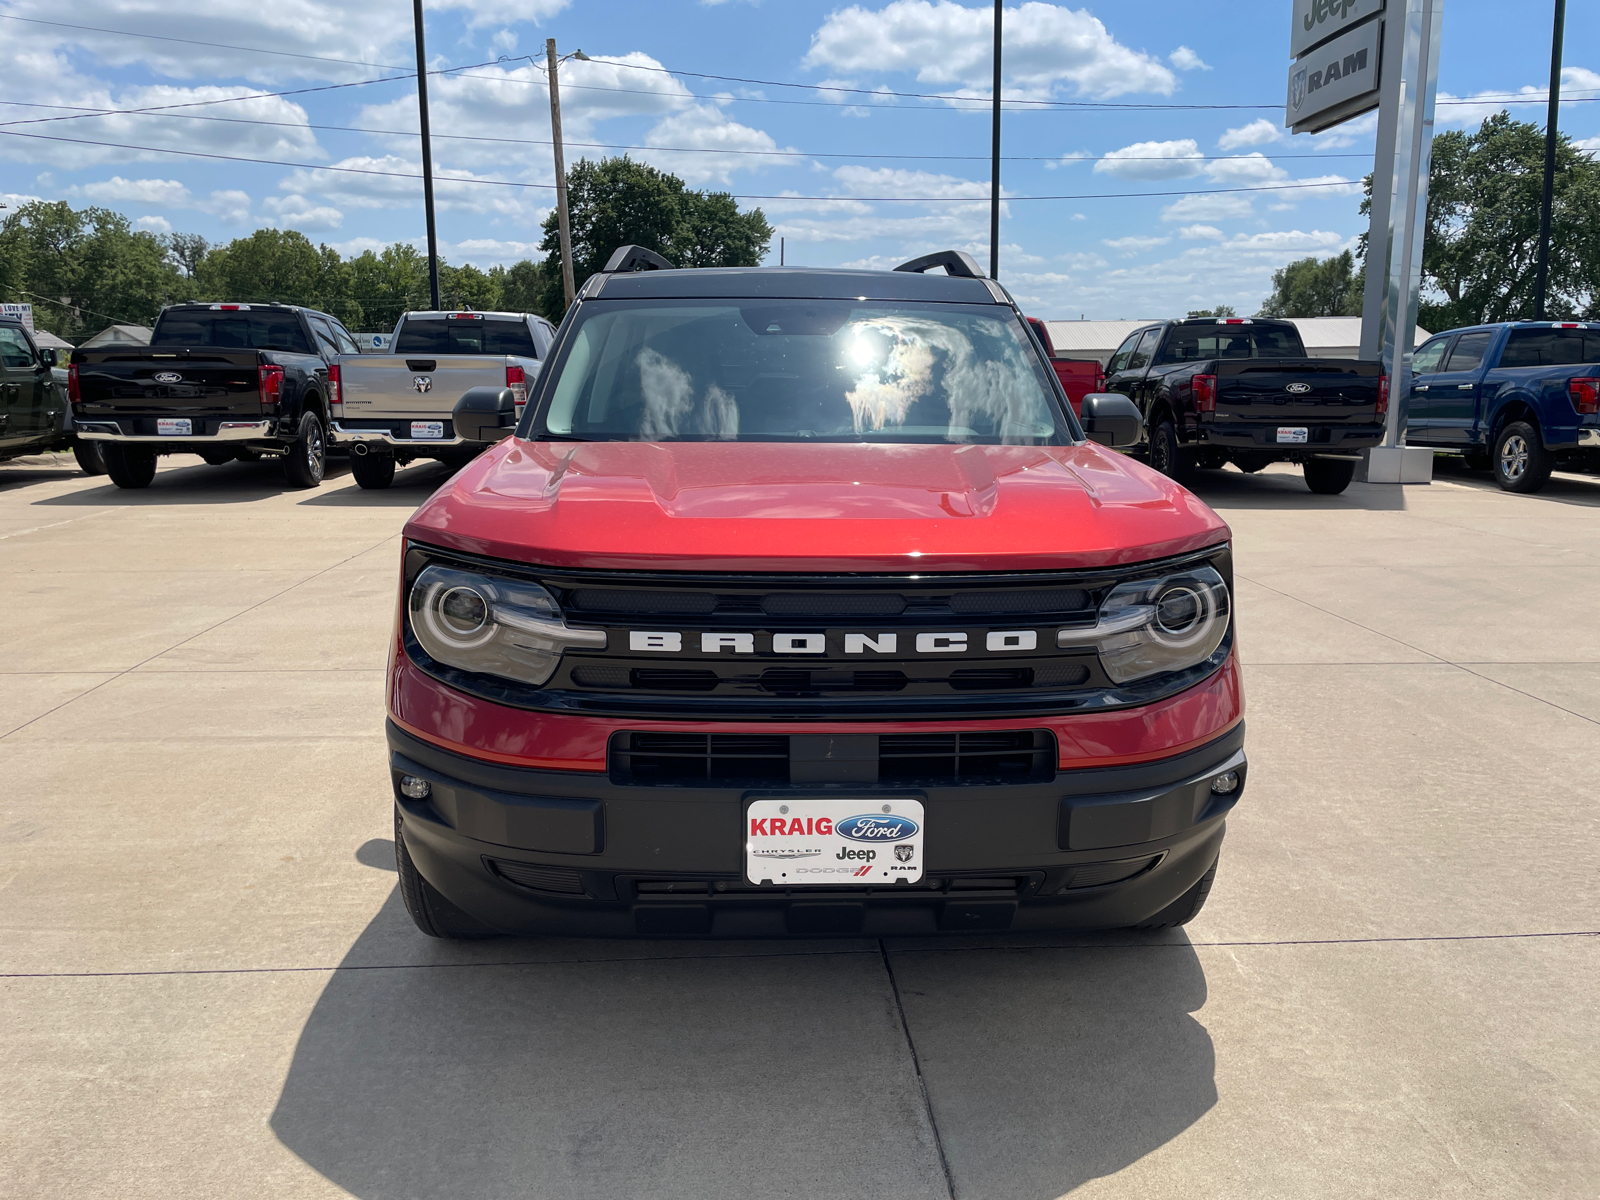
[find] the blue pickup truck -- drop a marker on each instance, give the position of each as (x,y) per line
(1517,398)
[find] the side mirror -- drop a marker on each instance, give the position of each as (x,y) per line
(485,414)
(1112,420)
(47,357)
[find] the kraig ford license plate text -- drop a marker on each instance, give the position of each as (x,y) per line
(834,842)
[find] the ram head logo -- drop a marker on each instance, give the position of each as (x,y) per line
(423,384)
(1297,90)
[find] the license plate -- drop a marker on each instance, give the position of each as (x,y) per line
(1297,436)
(833,843)
(427,429)
(174,427)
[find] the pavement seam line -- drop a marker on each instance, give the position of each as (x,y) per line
(916,1065)
(199,633)
(582,962)
(57,524)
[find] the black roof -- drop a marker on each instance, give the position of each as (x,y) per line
(788,283)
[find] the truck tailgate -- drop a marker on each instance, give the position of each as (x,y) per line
(1298,391)
(137,385)
(399,387)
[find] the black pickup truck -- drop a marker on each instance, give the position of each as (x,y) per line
(1215,390)
(224,381)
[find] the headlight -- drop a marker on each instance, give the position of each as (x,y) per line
(1157,626)
(492,625)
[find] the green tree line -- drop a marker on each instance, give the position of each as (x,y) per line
(1480,247)
(85,269)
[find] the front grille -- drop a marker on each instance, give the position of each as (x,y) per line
(1014,885)
(667,680)
(902,759)
(541,879)
(1042,600)
(608,600)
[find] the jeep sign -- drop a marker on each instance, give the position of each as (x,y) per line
(1318,20)
(1336,81)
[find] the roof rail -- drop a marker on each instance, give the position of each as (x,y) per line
(954,262)
(635,258)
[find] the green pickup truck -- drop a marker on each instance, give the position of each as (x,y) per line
(34,415)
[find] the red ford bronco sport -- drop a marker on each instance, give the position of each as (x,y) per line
(799,603)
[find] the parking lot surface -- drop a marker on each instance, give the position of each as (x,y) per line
(212,989)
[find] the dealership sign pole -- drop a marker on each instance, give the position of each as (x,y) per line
(1352,56)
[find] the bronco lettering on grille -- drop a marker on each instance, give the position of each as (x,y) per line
(953,642)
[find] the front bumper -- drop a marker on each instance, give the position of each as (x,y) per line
(227,431)
(1095,848)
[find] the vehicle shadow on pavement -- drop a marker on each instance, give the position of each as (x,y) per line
(1564,487)
(1282,490)
(573,1069)
(412,485)
(201,483)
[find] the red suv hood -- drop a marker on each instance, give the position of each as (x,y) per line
(743,506)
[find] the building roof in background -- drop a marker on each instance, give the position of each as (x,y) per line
(44,339)
(120,335)
(1074,339)
(1338,331)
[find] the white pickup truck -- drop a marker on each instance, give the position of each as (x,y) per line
(396,407)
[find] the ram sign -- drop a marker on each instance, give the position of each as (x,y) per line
(1337,80)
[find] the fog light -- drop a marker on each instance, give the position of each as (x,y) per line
(413,788)
(1222,785)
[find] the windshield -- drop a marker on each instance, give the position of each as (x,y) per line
(1189,343)
(456,336)
(794,370)
(241,329)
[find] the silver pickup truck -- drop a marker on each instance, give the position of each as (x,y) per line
(397,407)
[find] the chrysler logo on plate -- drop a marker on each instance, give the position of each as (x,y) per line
(167,377)
(1298,389)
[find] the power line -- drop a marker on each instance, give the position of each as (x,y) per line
(1274,187)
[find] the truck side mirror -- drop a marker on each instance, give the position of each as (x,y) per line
(47,357)
(1112,420)
(485,414)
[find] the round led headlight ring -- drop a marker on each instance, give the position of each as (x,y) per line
(459,617)
(1186,612)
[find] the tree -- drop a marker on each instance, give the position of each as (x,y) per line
(277,265)
(1221,310)
(520,285)
(1481,243)
(1313,287)
(467,287)
(617,201)
(386,284)
(187,251)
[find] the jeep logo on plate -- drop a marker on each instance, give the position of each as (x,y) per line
(423,384)
(167,377)
(1298,389)
(876,829)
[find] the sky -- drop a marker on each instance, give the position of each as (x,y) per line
(872,158)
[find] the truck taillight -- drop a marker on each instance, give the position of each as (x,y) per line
(517,381)
(1205,393)
(335,396)
(1383,395)
(1585,395)
(1099,379)
(271,384)
(74,387)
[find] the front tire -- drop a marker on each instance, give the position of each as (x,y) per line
(1521,462)
(91,457)
(1167,455)
(130,466)
(306,460)
(433,914)
(1187,906)
(373,471)
(1329,476)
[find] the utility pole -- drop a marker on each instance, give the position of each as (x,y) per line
(994,166)
(562,222)
(1541,280)
(427,155)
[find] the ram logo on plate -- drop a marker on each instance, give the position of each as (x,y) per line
(167,377)
(876,829)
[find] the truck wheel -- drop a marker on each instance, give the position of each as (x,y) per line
(1329,476)
(373,470)
(1167,455)
(1187,906)
(130,466)
(433,914)
(305,461)
(1521,463)
(91,457)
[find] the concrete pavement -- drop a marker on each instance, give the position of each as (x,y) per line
(211,988)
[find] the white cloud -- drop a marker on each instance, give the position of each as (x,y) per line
(229,205)
(1153,160)
(1207,208)
(1080,216)
(1258,133)
(893,181)
(153,225)
(1473,110)
(1254,167)
(706,128)
(395,182)
(1129,246)
(1591,145)
(948,44)
(1209,233)
(117,190)
(296,212)
(1186,59)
